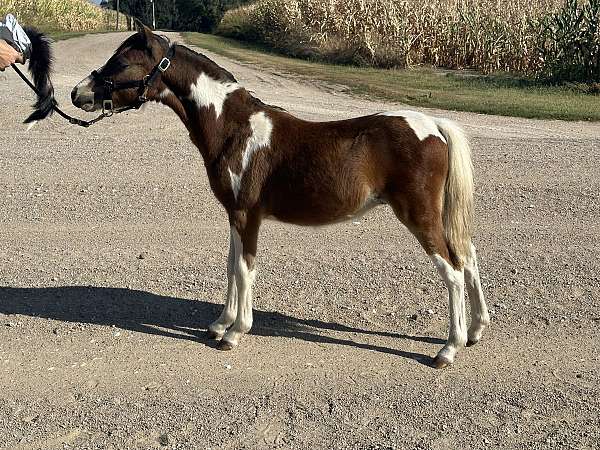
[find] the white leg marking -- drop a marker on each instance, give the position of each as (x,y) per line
(480,317)
(206,92)
(457,333)
(244,279)
(262,128)
(422,125)
(227,317)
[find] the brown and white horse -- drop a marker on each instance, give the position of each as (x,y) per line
(262,162)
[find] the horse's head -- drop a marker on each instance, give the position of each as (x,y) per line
(131,63)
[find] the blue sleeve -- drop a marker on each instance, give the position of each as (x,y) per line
(13,33)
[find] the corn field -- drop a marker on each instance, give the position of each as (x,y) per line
(61,15)
(487,35)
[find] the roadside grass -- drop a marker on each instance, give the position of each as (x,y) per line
(63,35)
(425,87)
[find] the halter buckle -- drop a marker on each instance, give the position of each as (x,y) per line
(107,108)
(164,64)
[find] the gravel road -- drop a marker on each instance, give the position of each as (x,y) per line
(112,264)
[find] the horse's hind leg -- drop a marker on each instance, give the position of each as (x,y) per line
(480,317)
(427,227)
(457,332)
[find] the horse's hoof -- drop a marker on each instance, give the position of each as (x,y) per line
(225,346)
(214,334)
(472,342)
(441,362)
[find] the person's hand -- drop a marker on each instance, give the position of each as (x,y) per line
(8,55)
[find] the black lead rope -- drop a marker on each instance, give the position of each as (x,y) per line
(109,88)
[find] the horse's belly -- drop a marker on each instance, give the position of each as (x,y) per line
(325,211)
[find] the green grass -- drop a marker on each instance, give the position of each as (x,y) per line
(62,35)
(460,91)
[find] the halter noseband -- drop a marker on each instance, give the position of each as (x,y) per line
(143,85)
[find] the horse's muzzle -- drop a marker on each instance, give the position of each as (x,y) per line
(83,97)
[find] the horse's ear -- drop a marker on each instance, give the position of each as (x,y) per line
(143,30)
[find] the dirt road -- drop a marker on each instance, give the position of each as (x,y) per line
(113,258)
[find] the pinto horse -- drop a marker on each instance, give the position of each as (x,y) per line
(264,163)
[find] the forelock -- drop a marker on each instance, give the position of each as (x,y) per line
(133,41)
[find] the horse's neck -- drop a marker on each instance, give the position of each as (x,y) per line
(201,102)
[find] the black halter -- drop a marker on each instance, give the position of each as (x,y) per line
(143,85)
(109,87)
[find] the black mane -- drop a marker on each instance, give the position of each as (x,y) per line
(138,41)
(212,68)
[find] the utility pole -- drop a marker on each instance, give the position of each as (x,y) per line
(117,15)
(153,16)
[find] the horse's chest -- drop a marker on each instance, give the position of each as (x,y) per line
(220,184)
(235,188)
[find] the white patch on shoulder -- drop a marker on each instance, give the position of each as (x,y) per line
(236,183)
(421,124)
(262,127)
(206,92)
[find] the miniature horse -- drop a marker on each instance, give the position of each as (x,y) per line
(265,163)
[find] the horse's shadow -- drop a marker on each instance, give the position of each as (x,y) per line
(174,317)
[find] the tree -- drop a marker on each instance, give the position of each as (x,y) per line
(180,15)
(200,15)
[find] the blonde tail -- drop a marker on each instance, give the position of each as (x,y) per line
(458,196)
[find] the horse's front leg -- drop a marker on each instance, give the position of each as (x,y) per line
(217,329)
(244,230)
